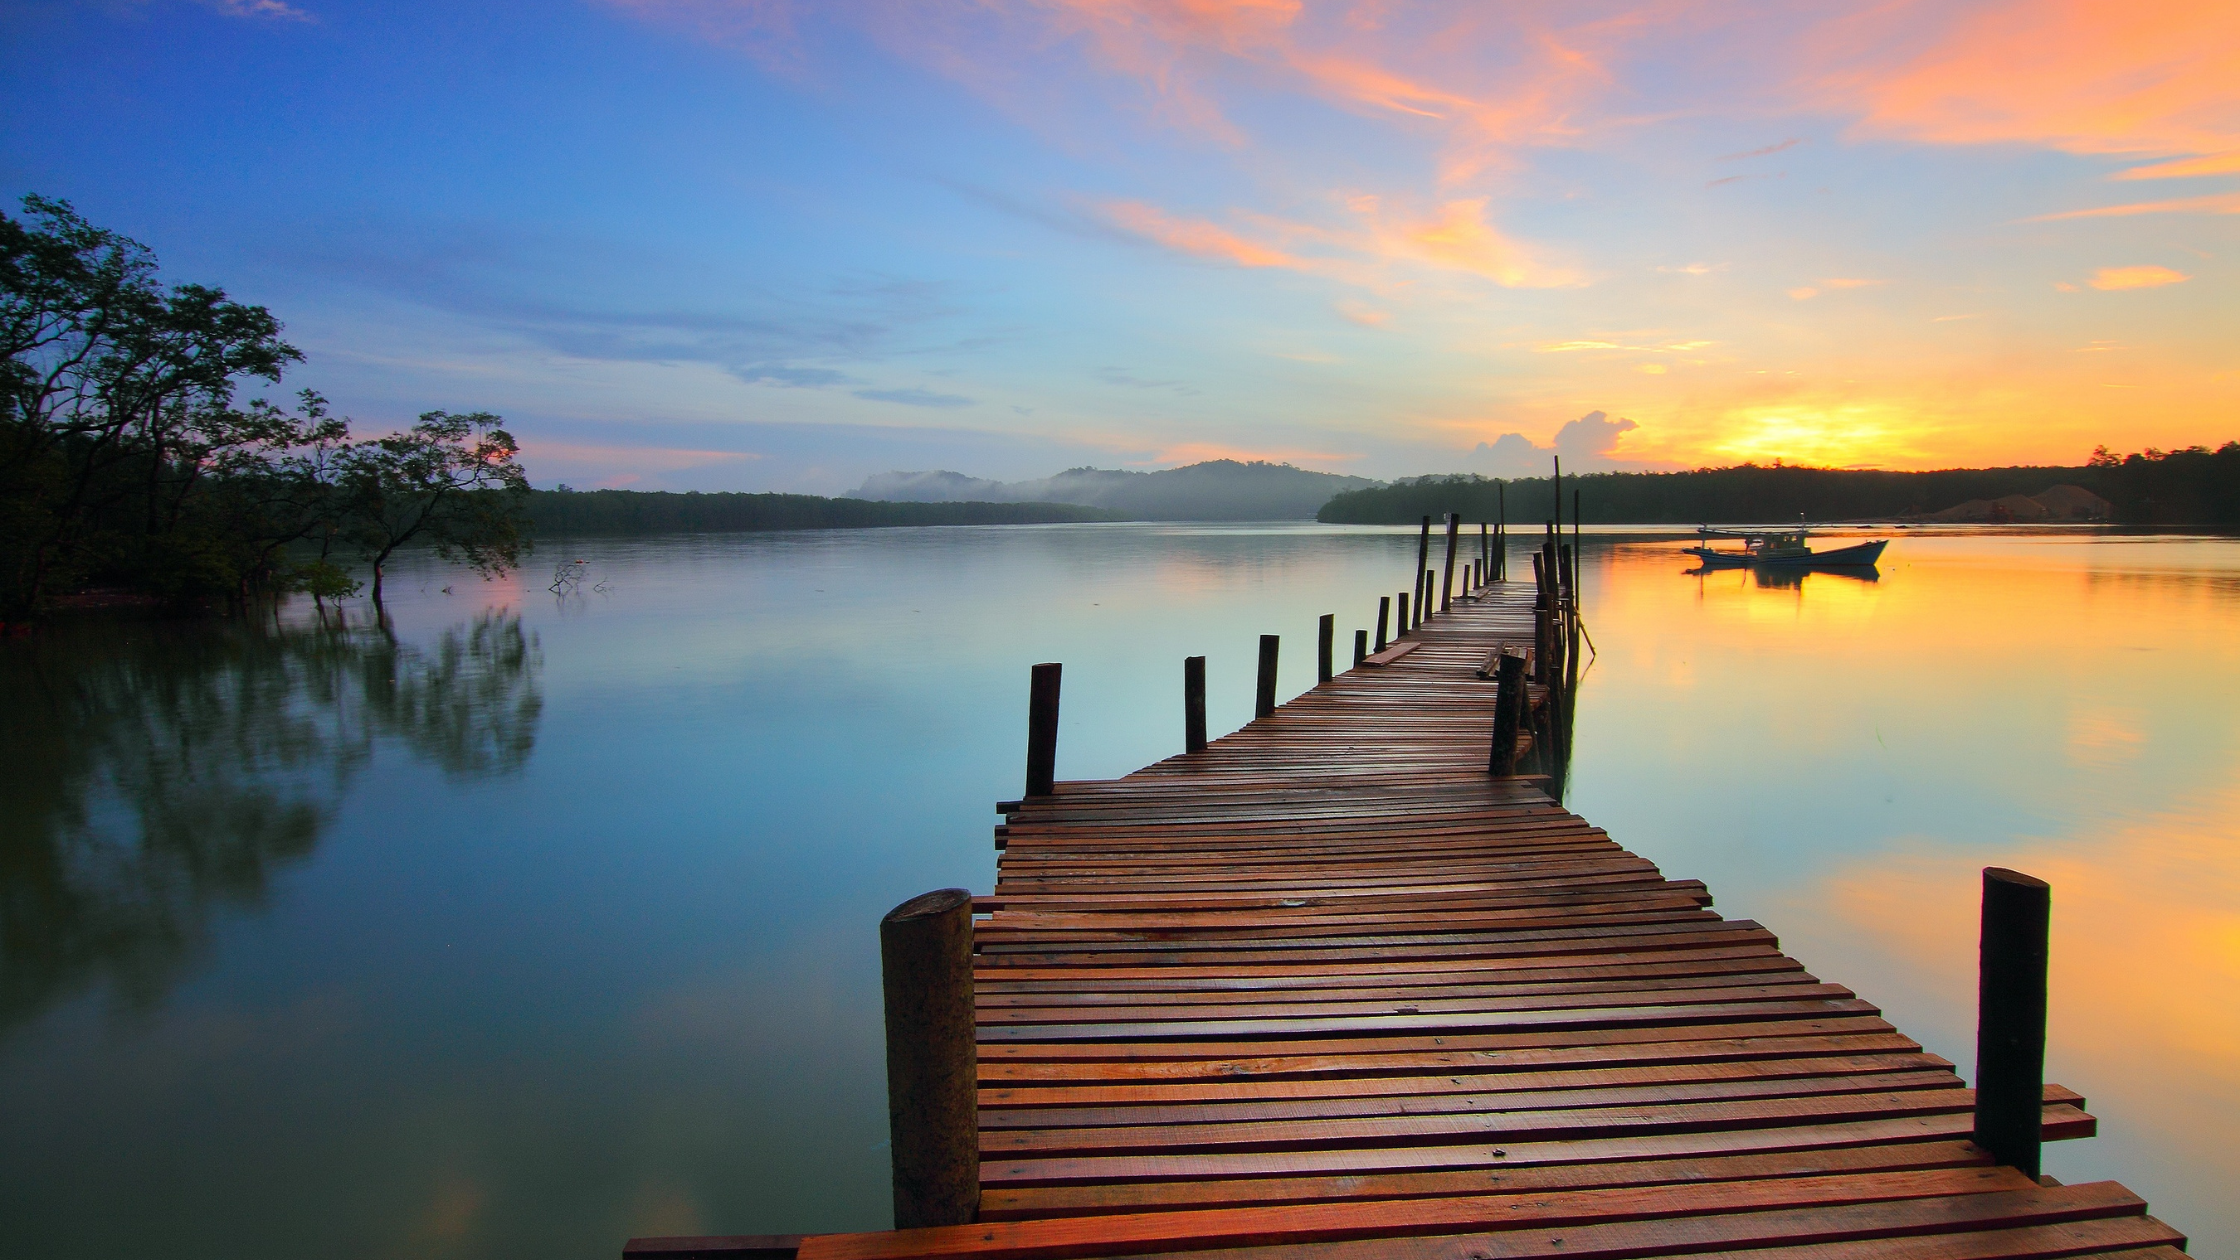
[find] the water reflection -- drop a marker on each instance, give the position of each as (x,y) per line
(158,774)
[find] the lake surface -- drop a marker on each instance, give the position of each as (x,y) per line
(544,920)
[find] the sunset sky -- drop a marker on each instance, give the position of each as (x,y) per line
(747,244)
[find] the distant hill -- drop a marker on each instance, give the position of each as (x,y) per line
(553,512)
(1219,490)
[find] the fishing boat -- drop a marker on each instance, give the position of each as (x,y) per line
(1779,548)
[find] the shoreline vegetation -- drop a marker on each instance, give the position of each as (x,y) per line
(564,511)
(2196,486)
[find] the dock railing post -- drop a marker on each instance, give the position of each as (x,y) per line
(1360,646)
(1042,730)
(1446,580)
(1404,626)
(1423,568)
(1423,606)
(1264,695)
(1384,618)
(1193,703)
(2011,1016)
(1508,704)
(1324,647)
(933,1070)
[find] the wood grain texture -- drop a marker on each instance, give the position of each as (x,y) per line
(1324,988)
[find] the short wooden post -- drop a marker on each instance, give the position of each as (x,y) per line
(2011,1016)
(1360,646)
(933,1069)
(1508,708)
(1423,606)
(1324,659)
(1404,626)
(1193,703)
(1042,730)
(1446,580)
(1264,697)
(1384,617)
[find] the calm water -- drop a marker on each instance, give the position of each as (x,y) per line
(542,922)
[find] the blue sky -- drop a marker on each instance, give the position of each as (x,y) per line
(716,245)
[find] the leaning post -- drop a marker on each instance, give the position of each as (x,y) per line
(1508,705)
(1325,631)
(2011,1016)
(1193,703)
(933,1069)
(1042,730)
(1446,580)
(1264,697)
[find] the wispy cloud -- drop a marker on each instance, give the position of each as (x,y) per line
(1790,143)
(2136,277)
(789,377)
(913,397)
(2214,203)
(268,10)
(2185,168)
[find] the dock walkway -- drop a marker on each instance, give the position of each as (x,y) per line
(1325,988)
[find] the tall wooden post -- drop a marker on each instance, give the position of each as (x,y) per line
(1446,581)
(1501,531)
(1042,730)
(1423,606)
(1193,703)
(1384,616)
(1360,646)
(933,1087)
(1555,523)
(1264,696)
(1404,626)
(1423,566)
(1508,709)
(1324,632)
(2011,1016)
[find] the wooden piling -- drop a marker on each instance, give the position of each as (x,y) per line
(1508,709)
(1264,697)
(1324,635)
(1423,567)
(1404,626)
(1360,646)
(1423,606)
(1042,730)
(1193,703)
(2011,1016)
(1384,617)
(1446,581)
(933,1104)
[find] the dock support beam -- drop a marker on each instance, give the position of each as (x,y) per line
(1193,704)
(1324,647)
(2011,1016)
(1264,695)
(1042,730)
(1508,711)
(933,1066)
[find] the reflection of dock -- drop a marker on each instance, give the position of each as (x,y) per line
(1326,986)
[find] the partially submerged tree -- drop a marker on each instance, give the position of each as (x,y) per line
(451,482)
(124,458)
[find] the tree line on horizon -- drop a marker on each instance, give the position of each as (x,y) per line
(126,462)
(2194,486)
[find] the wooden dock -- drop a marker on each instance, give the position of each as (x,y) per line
(1326,989)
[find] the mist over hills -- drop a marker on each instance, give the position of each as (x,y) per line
(1218,490)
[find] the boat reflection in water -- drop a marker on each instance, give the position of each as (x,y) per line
(1790,577)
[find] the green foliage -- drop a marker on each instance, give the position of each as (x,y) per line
(567,511)
(2183,487)
(125,460)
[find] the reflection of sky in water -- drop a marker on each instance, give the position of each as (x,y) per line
(1839,761)
(551,961)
